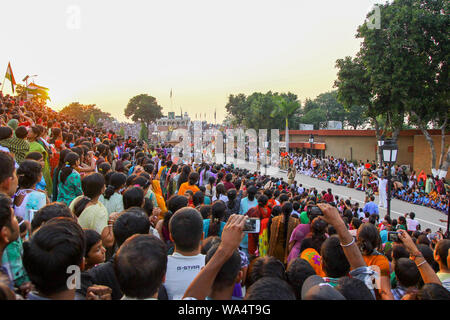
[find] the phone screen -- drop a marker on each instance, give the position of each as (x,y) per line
(252,225)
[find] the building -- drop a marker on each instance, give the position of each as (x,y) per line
(172,122)
(361,145)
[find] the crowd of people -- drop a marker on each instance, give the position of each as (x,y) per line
(138,226)
(421,189)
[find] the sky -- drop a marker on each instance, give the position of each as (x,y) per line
(105,52)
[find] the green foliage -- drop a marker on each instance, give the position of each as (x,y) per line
(84,112)
(122,132)
(143,108)
(262,110)
(143,133)
(92,120)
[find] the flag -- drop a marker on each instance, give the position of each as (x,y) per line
(37,90)
(170,93)
(9,75)
(215,114)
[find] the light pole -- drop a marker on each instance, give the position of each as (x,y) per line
(390,149)
(311,142)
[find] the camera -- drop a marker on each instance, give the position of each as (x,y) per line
(393,236)
(252,225)
(314,211)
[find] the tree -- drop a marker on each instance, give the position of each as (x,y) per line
(355,116)
(314,117)
(143,108)
(84,112)
(143,133)
(92,121)
(285,108)
(121,132)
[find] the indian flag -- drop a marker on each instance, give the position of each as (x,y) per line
(9,75)
(34,89)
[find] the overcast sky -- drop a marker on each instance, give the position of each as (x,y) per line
(105,52)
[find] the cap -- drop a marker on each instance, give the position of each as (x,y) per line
(315,288)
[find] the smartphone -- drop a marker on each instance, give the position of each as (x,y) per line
(252,225)
(314,211)
(393,236)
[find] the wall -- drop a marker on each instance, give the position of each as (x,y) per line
(422,152)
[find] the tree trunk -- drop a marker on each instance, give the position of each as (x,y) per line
(379,155)
(442,156)
(430,141)
(446,163)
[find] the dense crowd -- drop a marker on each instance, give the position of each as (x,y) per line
(421,189)
(137,225)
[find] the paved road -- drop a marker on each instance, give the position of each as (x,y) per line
(428,218)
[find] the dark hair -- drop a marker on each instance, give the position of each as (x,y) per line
(140,265)
(133,197)
(193,178)
(104,167)
(442,248)
(251,192)
(270,288)
(92,186)
(287,210)
(316,237)
(205,210)
(183,176)
(218,209)
(132,221)
(228,272)
(368,238)
(21,132)
(399,251)
(186,228)
(198,198)
(354,289)
(266,266)
(407,272)
(48,212)
(334,261)
(8,166)
(29,173)
(117,180)
(70,160)
(177,202)
(433,291)
(143,182)
(5,211)
(51,250)
(92,237)
(297,272)
(5,133)
(208,243)
(37,156)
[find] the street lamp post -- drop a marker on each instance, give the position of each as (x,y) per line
(311,142)
(390,150)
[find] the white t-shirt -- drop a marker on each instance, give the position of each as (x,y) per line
(412,224)
(181,271)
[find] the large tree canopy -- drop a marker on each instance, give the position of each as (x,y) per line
(143,108)
(86,113)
